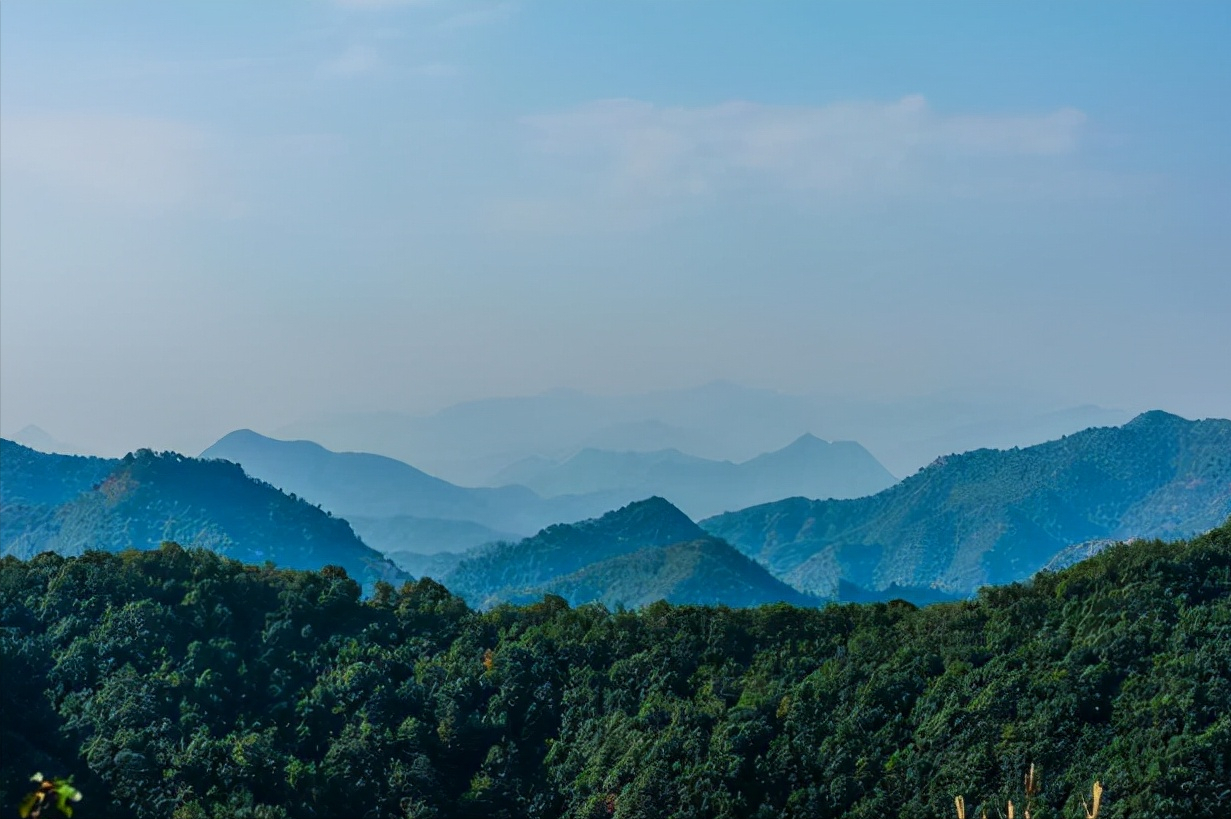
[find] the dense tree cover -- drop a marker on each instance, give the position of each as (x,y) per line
(178,683)
(996,516)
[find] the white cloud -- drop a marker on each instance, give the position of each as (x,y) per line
(352,62)
(112,160)
(641,149)
(456,13)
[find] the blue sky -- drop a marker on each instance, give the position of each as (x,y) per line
(216,215)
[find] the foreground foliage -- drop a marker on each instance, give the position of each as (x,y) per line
(178,683)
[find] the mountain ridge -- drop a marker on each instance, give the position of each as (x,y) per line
(989,516)
(365,485)
(808,466)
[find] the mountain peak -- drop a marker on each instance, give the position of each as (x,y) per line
(250,438)
(1155,418)
(495,572)
(807,440)
(35,437)
(244,434)
(654,512)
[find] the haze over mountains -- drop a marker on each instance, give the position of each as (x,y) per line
(397,507)
(994,516)
(38,438)
(400,505)
(471,442)
(808,466)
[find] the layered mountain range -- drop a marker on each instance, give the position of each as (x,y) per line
(701,487)
(471,442)
(397,507)
(983,517)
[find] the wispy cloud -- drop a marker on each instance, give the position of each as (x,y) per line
(449,13)
(483,15)
(643,149)
(112,160)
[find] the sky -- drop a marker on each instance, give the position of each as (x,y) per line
(220,215)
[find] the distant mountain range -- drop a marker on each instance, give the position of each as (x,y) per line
(471,442)
(396,506)
(983,517)
(69,504)
(809,467)
(995,516)
(39,439)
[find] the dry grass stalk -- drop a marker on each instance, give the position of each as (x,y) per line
(1092,810)
(1031,788)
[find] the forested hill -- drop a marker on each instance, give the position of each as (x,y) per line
(993,516)
(177,683)
(497,572)
(148,497)
(705,571)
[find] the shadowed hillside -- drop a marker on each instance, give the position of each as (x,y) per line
(147,498)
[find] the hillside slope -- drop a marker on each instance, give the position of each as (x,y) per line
(147,498)
(994,516)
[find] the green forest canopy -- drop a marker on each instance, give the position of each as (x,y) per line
(179,683)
